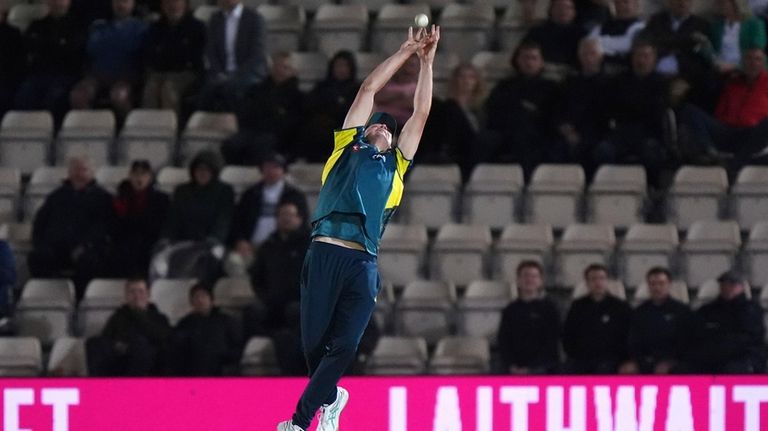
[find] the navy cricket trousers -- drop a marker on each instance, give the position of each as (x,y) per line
(338,295)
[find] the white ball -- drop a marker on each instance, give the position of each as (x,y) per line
(421,20)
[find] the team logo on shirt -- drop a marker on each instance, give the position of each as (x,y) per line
(356,148)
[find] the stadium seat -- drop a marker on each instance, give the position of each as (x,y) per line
(204,12)
(554,195)
(307,177)
(311,67)
(385,305)
(148,134)
(461,355)
(170,177)
(696,194)
(764,297)
(756,254)
(366,62)
(20,357)
(398,356)
(206,131)
(233,294)
(240,177)
(460,253)
(478,312)
(492,195)
(749,196)
(425,310)
(45,179)
(86,133)
(285,26)
(10,193)
(677,290)
(45,309)
(68,358)
(442,69)
(102,297)
(431,195)
(709,290)
(22,15)
(466,28)
(340,26)
(616,196)
(582,245)
(402,253)
(171,296)
(25,139)
(494,66)
(646,246)
(512,26)
(259,358)
(520,242)
(372,5)
(110,177)
(615,287)
(392,23)
(709,249)
(310,5)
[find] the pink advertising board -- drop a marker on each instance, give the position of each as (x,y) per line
(393,404)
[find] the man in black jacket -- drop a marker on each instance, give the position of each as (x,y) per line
(11,60)
(133,342)
(596,328)
(729,332)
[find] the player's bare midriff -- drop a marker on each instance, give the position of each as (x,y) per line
(340,242)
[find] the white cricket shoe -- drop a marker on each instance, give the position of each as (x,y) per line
(288,426)
(329,420)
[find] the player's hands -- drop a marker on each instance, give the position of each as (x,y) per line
(426,51)
(414,41)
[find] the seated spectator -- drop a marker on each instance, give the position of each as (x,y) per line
(256,215)
(734,32)
(729,333)
(529,331)
(270,115)
(277,270)
(591,13)
(174,57)
(55,54)
(236,53)
(453,125)
(205,342)
(7,282)
(559,35)
(114,50)
(70,230)
(637,106)
(520,113)
(11,60)
(133,342)
(140,211)
(596,327)
(740,124)
(327,105)
(583,113)
(88,11)
(659,329)
(396,97)
(617,34)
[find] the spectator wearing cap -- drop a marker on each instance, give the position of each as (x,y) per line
(205,342)
(140,212)
(659,329)
(728,333)
(255,216)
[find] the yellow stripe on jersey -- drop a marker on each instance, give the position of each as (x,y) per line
(341,138)
(401,167)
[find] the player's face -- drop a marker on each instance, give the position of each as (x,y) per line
(378,133)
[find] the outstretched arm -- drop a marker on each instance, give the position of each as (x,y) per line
(363,105)
(422,99)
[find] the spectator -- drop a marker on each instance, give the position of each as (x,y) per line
(739,126)
(11,60)
(236,54)
(256,215)
(617,34)
(638,104)
(735,32)
(55,48)
(520,113)
(583,116)
(270,114)
(559,35)
(70,230)
(596,327)
(327,105)
(174,57)
(88,11)
(530,326)
(278,265)
(114,49)
(205,342)
(591,13)
(729,333)
(140,212)
(659,329)
(453,125)
(7,282)
(133,342)
(396,97)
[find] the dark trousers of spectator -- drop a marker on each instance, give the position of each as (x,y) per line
(631,143)
(222,95)
(7,91)
(51,263)
(248,147)
(523,145)
(338,295)
(137,357)
(46,91)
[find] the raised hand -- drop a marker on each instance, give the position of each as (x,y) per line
(414,42)
(426,51)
